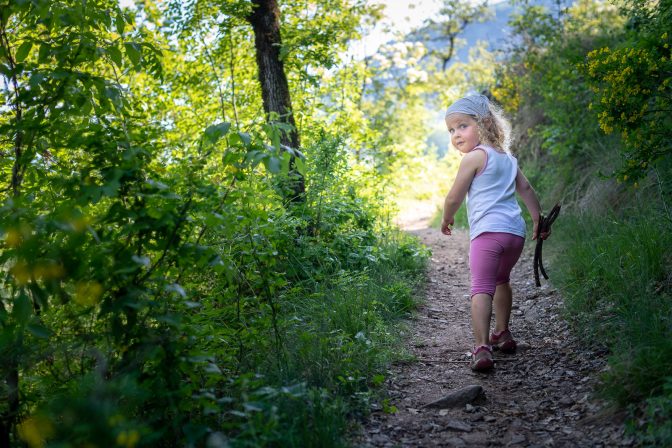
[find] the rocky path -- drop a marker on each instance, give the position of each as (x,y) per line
(541,396)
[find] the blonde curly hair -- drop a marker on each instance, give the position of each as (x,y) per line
(494,129)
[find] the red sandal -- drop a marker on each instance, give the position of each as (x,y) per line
(481,359)
(503,341)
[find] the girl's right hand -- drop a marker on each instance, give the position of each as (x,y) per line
(446,224)
(535,232)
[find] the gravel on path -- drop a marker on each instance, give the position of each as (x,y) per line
(541,396)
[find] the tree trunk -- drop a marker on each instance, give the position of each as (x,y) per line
(11,369)
(9,418)
(265,21)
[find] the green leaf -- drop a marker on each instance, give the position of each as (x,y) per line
(43,54)
(22,308)
(213,219)
(275,138)
(284,51)
(300,165)
(39,330)
(115,55)
(120,22)
(245,137)
(23,51)
(111,188)
(155,213)
(285,159)
(216,131)
(272,164)
(377,380)
(212,368)
(133,51)
(39,295)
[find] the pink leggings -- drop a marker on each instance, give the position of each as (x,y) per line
(492,255)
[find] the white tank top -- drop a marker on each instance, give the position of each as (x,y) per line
(491,200)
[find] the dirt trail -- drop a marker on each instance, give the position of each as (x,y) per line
(541,396)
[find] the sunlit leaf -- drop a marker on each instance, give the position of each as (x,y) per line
(134,52)
(300,165)
(272,164)
(120,23)
(216,131)
(115,55)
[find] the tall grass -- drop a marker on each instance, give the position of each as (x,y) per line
(340,332)
(616,274)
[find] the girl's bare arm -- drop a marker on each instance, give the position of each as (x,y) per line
(471,163)
(530,199)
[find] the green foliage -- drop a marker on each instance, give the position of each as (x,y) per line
(632,83)
(577,75)
(155,289)
(618,284)
(658,430)
(559,140)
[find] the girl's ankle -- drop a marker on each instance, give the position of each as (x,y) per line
(498,333)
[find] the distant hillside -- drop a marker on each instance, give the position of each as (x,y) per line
(494,31)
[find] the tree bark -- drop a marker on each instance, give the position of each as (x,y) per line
(265,21)
(11,370)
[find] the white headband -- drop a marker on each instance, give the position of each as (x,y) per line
(470,105)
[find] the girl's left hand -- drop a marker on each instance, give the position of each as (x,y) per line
(445,226)
(535,232)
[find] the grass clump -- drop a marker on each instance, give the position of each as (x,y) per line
(616,275)
(338,337)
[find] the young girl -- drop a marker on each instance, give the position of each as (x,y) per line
(488,176)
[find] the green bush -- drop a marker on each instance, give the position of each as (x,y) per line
(658,414)
(616,276)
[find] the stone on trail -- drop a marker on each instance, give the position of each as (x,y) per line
(457,425)
(455,441)
(457,398)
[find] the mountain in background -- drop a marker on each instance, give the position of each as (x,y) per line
(495,31)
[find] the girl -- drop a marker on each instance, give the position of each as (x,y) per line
(488,176)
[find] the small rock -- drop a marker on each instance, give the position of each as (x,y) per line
(458,397)
(516,439)
(455,441)
(566,401)
(489,418)
(477,438)
(457,425)
(477,417)
(429,427)
(379,439)
(469,408)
